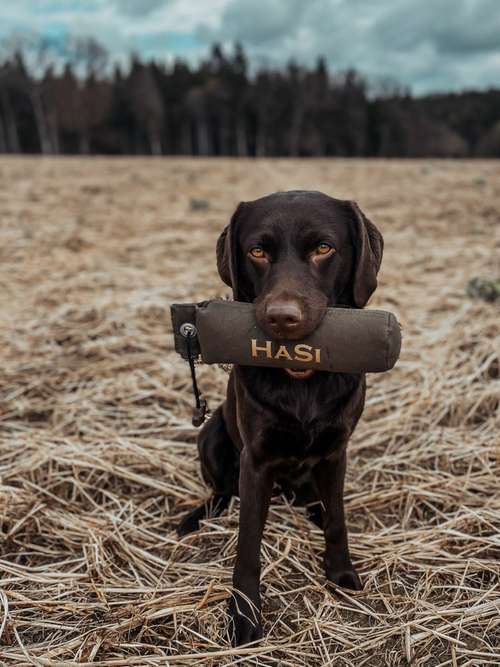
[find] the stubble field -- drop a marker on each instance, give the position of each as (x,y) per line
(97,454)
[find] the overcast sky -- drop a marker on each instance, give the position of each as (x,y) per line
(426,44)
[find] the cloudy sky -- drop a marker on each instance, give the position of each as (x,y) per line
(428,45)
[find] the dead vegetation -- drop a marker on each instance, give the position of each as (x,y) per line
(97,460)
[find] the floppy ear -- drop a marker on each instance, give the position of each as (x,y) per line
(227,261)
(369,250)
(223,254)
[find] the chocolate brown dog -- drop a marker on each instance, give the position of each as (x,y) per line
(292,254)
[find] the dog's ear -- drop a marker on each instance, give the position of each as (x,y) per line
(227,249)
(223,256)
(369,250)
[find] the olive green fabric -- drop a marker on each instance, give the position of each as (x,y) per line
(347,340)
(182,313)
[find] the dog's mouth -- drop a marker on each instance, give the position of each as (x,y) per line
(299,373)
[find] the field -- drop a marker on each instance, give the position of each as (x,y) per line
(97,454)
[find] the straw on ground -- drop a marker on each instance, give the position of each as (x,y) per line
(97,454)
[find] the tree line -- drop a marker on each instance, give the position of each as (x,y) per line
(220,107)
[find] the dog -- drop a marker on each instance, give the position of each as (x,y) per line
(292,254)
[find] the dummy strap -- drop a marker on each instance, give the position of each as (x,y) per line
(189,332)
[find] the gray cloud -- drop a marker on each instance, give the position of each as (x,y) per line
(452,26)
(139,7)
(443,44)
(262,22)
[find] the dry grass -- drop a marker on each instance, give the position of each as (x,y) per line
(97,460)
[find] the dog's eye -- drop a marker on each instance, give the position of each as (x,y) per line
(324,249)
(257,252)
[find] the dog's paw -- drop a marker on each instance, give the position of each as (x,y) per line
(244,628)
(346,578)
(189,524)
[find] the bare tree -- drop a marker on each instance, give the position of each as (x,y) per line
(3,136)
(196,103)
(147,105)
(93,96)
(62,97)
(12,84)
(31,79)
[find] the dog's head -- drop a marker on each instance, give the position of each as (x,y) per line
(295,253)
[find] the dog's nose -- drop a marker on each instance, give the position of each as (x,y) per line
(284,317)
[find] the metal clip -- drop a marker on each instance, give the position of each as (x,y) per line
(188,331)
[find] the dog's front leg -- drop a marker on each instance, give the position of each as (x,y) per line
(255,487)
(329,477)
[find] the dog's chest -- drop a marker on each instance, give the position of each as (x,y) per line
(305,421)
(299,448)
(306,407)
